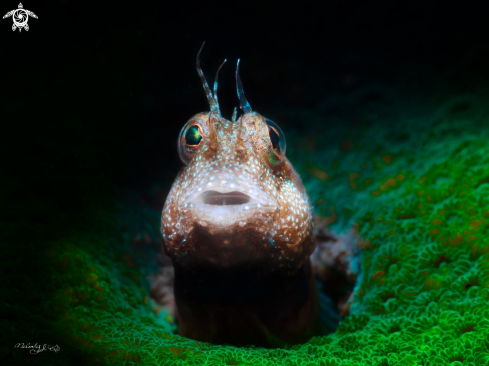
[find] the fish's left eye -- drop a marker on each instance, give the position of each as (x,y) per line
(277,138)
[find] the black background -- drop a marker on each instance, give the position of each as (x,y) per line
(93,96)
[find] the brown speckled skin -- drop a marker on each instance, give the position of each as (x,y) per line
(242,272)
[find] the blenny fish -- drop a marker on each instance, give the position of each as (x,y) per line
(239,228)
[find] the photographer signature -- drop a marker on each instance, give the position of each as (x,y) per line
(36,348)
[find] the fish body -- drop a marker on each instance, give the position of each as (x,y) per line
(238,226)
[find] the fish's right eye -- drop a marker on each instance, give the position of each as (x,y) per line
(190,140)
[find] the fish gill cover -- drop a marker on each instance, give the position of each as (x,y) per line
(413,179)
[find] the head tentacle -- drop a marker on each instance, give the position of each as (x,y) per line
(212,102)
(239,87)
(215,86)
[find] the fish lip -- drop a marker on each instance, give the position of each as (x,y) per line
(256,203)
(215,196)
(225,216)
(212,197)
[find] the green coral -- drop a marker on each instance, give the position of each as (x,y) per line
(418,192)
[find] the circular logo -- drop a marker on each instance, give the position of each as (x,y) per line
(20,17)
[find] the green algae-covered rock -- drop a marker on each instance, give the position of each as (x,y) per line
(413,182)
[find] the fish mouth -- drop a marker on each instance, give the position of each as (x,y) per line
(214,198)
(223,198)
(226,207)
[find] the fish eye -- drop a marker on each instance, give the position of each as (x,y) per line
(274,137)
(190,140)
(193,136)
(277,138)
